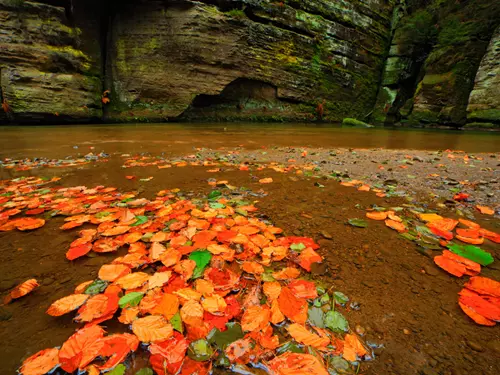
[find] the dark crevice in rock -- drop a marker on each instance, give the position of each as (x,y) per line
(249,12)
(241,99)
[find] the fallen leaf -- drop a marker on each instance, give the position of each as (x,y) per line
(152,328)
(67,304)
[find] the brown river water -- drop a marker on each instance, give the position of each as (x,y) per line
(58,141)
(411,316)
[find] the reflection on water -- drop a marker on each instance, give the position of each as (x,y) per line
(60,141)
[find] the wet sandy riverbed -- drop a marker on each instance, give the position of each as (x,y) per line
(408,305)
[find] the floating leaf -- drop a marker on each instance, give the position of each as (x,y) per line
(473,253)
(202,259)
(140,220)
(40,363)
(232,333)
(290,347)
(98,286)
(297,246)
(316,317)
(214,194)
(130,300)
(200,350)
(359,223)
(118,370)
(336,321)
(66,304)
(340,298)
(176,322)
(144,371)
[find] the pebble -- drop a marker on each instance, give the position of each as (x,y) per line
(326,235)
(360,330)
(430,270)
(406,331)
(475,346)
(48,281)
(368,284)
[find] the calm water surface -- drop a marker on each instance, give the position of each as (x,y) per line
(61,141)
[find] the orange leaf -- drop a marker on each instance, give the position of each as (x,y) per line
(474,241)
(450,266)
(307,257)
(485,210)
(253,268)
(267,180)
(296,364)
(255,318)
(292,307)
(192,313)
(22,289)
(94,308)
(479,304)
(214,304)
(152,328)
(303,289)
(41,362)
(287,273)
(128,315)
(479,319)
(353,348)
(492,236)
(374,215)
(71,351)
(469,223)
(112,272)
(483,285)
(29,223)
(272,290)
(78,251)
(132,280)
(302,335)
(400,227)
(66,304)
(159,279)
(276,314)
(168,306)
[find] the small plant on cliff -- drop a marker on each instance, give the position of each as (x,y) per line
(419,30)
(236,13)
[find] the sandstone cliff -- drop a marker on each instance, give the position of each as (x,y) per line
(410,62)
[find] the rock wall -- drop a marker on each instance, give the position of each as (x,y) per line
(408,62)
(433,60)
(44,77)
(484,101)
(162,55)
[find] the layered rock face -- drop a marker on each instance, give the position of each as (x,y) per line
(435,54)
(409,62)
(484,100)
(165,55)
(43,75)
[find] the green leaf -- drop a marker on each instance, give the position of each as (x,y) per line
(96,287)
(340,298)
(359,223)
(221,340)
(200,350)
(140,220)
(268,277)
(336,321)
(339,365)
(241,212)
(473,253)
(202,259)
(214,194)
(102,214)
(144,371)
(290,346)
(176,322)
(118,370)
(297,246)
(131,299)
(407,236)
(216,205)
(316,317)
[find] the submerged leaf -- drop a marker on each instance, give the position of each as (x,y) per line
(200,350)
(336,321)
(359,223)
